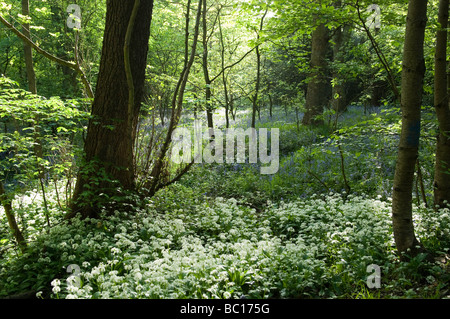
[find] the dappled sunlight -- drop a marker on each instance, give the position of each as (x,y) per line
(224,150)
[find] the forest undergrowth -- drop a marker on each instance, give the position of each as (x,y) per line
(318,228)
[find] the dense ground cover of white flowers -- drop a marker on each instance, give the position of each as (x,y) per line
(317,247)
(227,231)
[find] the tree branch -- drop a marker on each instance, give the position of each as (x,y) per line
(380,54)
(232,65)
(50,56)
(177,105)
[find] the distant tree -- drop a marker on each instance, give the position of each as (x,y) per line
(208,41)
(32,86)
(340,38)
(208,82)
(28,51)
(159,176)
(442,107)
(69,64)
(317,91)
(255,97)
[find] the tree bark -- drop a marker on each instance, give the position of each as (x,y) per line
(108,149)
(31,75)
(316,96)
(338,96)
(255,97)
(32,87)
(6,202)
(224,76)
(441,104)
(411,98)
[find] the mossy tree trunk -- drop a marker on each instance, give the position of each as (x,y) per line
(205,60)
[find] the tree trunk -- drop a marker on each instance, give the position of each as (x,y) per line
(338,96)
(270,105)
(209,111)
(227,102)
(108,161)
(224,76)
(32,87)
(338,93)
(31,75)
(441,104)
(316,96)
(255,98)
(6,202)
(411,98)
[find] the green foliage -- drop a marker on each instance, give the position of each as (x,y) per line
(313,248)
(49,30)
(222,231)
(39,143)
(225,231)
